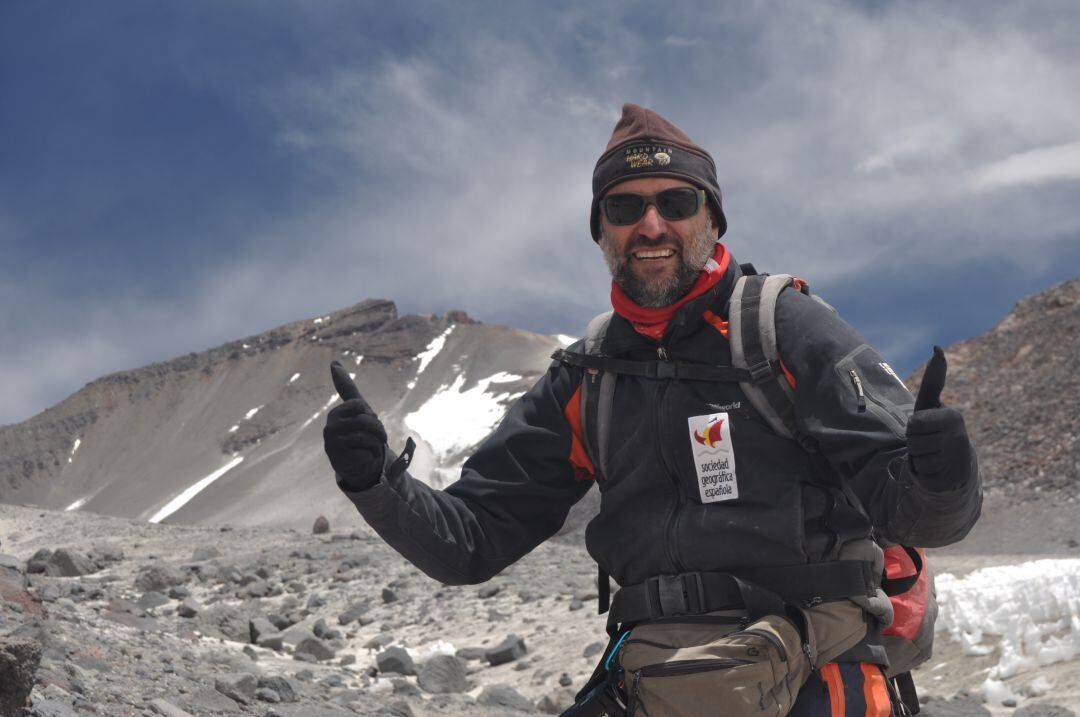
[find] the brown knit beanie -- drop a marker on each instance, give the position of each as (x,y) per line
(644,144)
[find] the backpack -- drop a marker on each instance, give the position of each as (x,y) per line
(751,330)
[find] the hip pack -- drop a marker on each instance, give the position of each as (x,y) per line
(756,367)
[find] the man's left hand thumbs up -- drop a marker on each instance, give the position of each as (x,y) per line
(939,450)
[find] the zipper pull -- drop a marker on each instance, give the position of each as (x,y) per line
(662,353)
(857,383)
(593,373)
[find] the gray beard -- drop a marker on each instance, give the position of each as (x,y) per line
(656,294)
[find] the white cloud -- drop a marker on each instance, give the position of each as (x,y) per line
(1036,166)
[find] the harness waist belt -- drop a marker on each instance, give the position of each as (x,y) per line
(701,592)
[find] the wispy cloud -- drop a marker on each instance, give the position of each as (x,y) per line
(1036,166)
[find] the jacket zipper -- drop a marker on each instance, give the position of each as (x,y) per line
(857,383)
(685,667)
(671,546)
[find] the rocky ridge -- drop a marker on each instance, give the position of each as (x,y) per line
(1017,386)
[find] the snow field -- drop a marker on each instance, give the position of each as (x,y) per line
(453,419)
(1033,609)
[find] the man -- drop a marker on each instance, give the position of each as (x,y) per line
(861,461)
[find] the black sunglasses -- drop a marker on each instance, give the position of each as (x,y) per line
(676,203)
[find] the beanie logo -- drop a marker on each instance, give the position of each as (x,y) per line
(648,155)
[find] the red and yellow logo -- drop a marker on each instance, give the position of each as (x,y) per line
(712,435)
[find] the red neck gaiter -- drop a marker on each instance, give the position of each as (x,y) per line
(653,322)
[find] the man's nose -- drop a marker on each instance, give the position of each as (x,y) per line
(652,224)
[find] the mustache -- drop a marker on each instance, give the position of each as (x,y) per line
(646,243)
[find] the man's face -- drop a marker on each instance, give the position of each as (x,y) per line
(656,260)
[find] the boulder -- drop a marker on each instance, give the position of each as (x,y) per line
(322,525)
(316,648)
(395,659)
(286,689)
(237,686)
(443,674)
(19,660)
(504,696)
(159,577)
(508,650)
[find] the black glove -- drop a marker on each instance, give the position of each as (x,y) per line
(939,451)
(354,438)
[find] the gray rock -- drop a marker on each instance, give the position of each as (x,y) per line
(258,589)
(322,525)
(38,561)
(389,595)
(189,608)
(1043,709)
(295,635)
(50,708)
(152,599)
(565,680)
(237,686)
(379,641)
(19,660)
(167,709)
(316,648)
(964,706)
(104,553)
(406,689)
(261,627)
(593,648)
(504,696)
(508,650)
(443,674)
(279,621)
(275,642)
(285,687)
(557,701)
(265,694)
(69,563)
(353,613)
(179,592)
(472,653)
(396,660)
(160,577)
(10,562)
(488,591)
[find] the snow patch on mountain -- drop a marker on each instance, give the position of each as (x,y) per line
(1032,609)
(250,414)
(178,502)
(565,339)
(453,419)
(426,356)
(78,442)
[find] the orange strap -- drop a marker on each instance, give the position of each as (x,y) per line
(875,692)
(830,672)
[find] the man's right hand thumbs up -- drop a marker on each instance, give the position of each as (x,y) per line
(354,438)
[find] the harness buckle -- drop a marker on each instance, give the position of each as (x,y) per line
(682,594)
(665,369)
(761,372)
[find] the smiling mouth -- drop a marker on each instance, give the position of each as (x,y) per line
(653,254)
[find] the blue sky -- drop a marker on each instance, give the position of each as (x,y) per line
(174,175)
